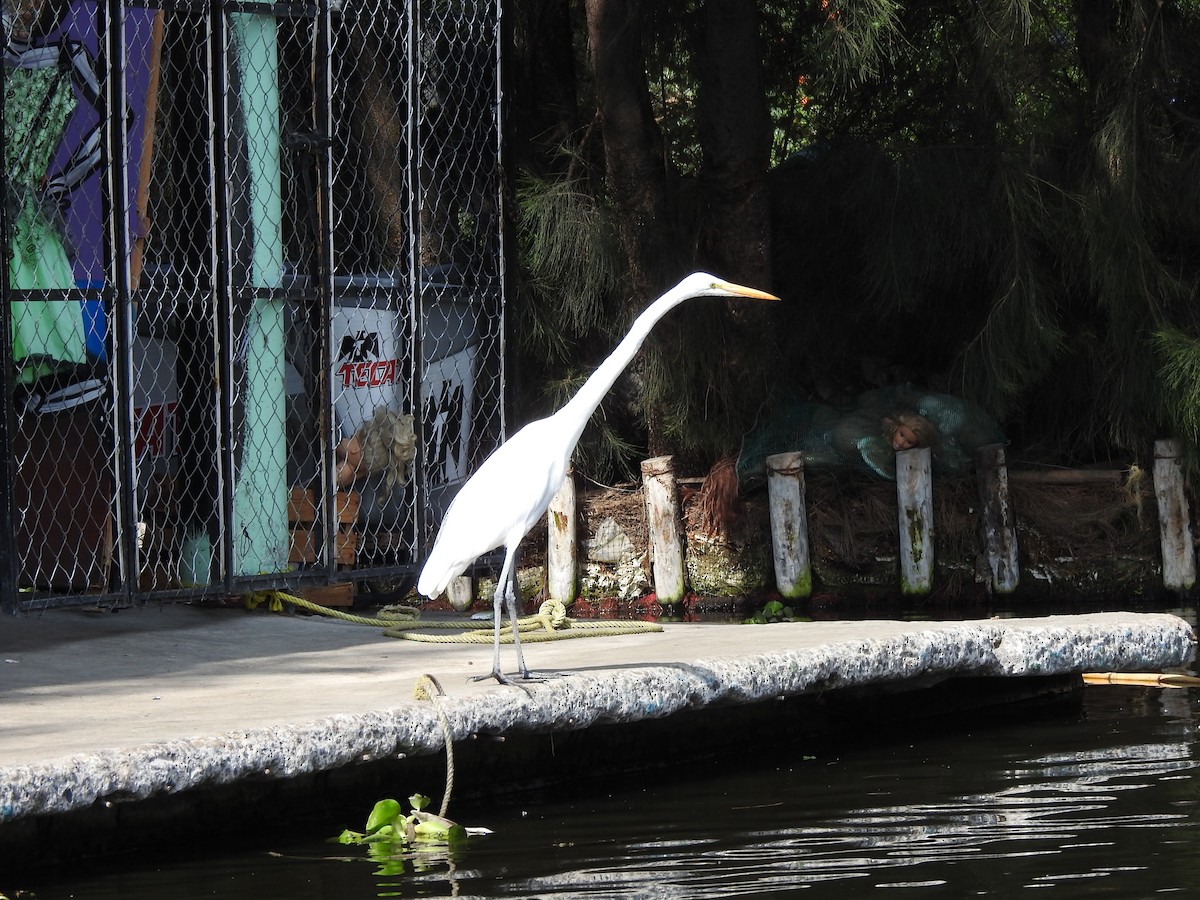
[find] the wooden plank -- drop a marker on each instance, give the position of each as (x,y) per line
(303,549)
(302,506)
(304,546)
(346,547)
(347,507)
(332,595)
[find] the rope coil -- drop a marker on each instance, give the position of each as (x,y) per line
(550,623)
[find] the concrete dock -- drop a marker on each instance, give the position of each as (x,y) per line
(103,711)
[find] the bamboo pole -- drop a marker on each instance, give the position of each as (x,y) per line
(914,496)
(562,562)
(789,525)
(1174,517)
(1143,679)
(662,517)
(998,521)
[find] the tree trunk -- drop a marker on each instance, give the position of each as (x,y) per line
(1097,45)
(542,70)
(633,146)
(635,167)
(735,134)
(735,138)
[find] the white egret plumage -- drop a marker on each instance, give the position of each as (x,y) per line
(508,494)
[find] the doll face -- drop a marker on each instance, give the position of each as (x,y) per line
(904,438)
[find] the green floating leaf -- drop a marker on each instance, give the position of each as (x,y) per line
(418,801)
(438,831)
(384,835)
(385,812)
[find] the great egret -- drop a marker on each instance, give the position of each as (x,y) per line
(508,493)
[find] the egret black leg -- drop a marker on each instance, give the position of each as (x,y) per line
(512,615)
(498,622)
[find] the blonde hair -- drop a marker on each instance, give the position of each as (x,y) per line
(923,429)
(389,445)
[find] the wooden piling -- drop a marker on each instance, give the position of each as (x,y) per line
(914,496)
(789,525)
(562,563)
(662,517)
(460,592)
(998,522)
(1174,517)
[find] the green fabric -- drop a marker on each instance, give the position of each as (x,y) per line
(37,104)
(853,435)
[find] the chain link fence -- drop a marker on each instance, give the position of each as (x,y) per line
(266,349)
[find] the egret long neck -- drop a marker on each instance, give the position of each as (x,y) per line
(580,407)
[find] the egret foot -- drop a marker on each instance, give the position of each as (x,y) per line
(527,677)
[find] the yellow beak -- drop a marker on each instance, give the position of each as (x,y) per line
(742,290)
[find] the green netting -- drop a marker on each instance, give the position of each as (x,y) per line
(858,435)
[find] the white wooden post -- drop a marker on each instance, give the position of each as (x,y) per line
(562,564)
(662,517)
(1174,517)
(789,524)
(999,522)
(460,592)
(914,496)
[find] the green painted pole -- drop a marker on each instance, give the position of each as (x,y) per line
(260,496)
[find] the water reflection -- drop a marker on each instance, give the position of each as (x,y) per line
(971,815)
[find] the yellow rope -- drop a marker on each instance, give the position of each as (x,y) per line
(528,635)
(275,599)
(550,623)
(429,689)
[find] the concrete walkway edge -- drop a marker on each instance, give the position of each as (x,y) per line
(898,657)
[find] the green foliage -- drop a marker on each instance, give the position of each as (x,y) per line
(571,298)
(396,841)
(861,37)
(1005,218)
(1181,373)
(385,812)
(604,452)
(999,199)
(773,611)
(388,825)
(572,259)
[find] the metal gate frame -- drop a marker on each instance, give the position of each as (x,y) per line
(250,348)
